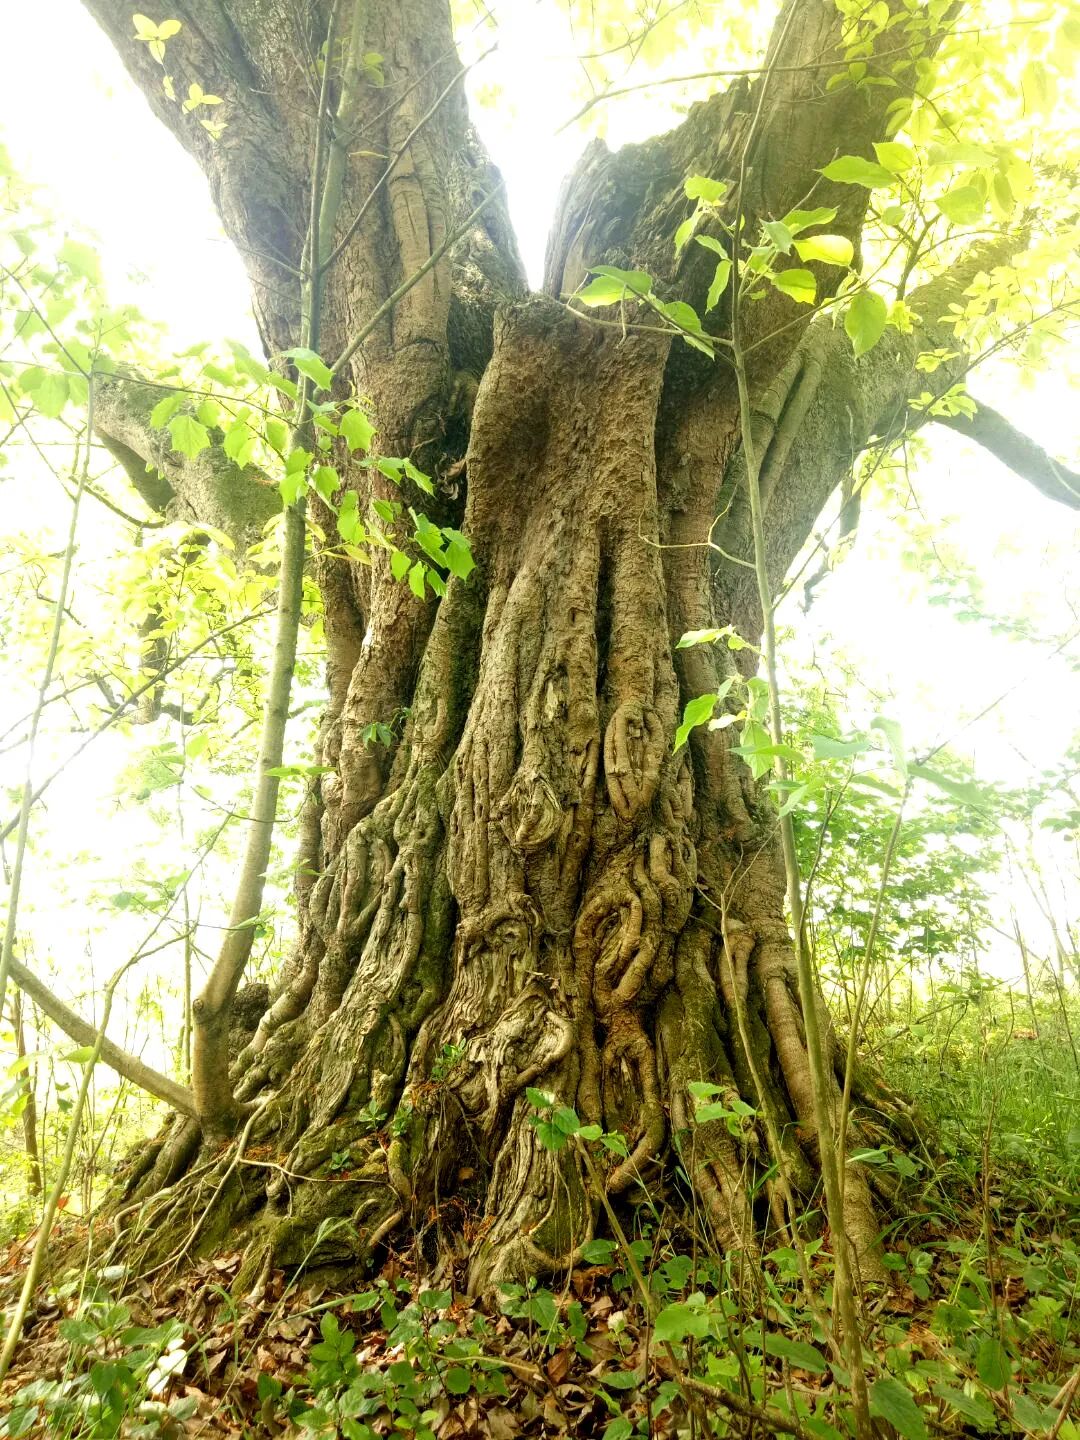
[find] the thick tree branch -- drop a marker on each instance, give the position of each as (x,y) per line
(257,169)
(624,208)
(1019,452)
(126,1065)
(822,412)
(208,489)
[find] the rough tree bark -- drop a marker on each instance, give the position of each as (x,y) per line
(528,887)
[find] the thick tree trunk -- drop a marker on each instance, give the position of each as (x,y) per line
(544,894)
(530,888)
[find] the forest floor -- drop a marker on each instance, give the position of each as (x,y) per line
(977,1333)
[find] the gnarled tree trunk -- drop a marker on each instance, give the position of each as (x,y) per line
(529,888)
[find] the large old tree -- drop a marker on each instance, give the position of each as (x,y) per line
(530,886)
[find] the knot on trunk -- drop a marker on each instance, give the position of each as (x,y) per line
(503,937)
(530,813)
(623,949)
(633,751)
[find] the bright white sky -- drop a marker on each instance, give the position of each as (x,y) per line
(74,122)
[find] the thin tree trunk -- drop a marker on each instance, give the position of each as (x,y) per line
(29,1113)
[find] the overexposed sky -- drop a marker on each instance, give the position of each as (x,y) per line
(74,123)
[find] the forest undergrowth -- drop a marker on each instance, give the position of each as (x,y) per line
(655,1333)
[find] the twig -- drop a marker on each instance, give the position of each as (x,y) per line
(27,801)
(41,1245)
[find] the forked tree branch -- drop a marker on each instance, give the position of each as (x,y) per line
(826,408)
(1024,456)
(127,1065)
(209,488)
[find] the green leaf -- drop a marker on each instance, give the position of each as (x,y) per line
(188,435)
(247,364)
(700,187)
(311,365)
(828,748)
(350,526)
(614,1142)
(1039,86)
(612,285)
(79,1056)
(357,430)
(416,580)
(51,394)
(703,637)
(459,560)
(829,249)
(798,220)
(81,260)
(1002,197)
(566,1120)
(418,477)
(800,285)
(697,711)
(683,233)
(600,292)
(992,1363)
(598,1252)
(399,564)
(326,481)
(219,375)
(895,736)
(283,383)
(780,237)
(23,1418)
(277,435)
(854,170)
(635,280)
(429,537)
(292,487)
(457,1380)
(710,242)
(894,1402)
(797,1351)
(197,96)
(760,748)
(871,782)
(1033,1417)
(720,279)
(618,1429)
(681,314)
(680,1321)
(686,320)
(550,1137)
(894,156)
(961,152)
(239,442)
(962,206)
(864,320)
(965,791)
(972,1407)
